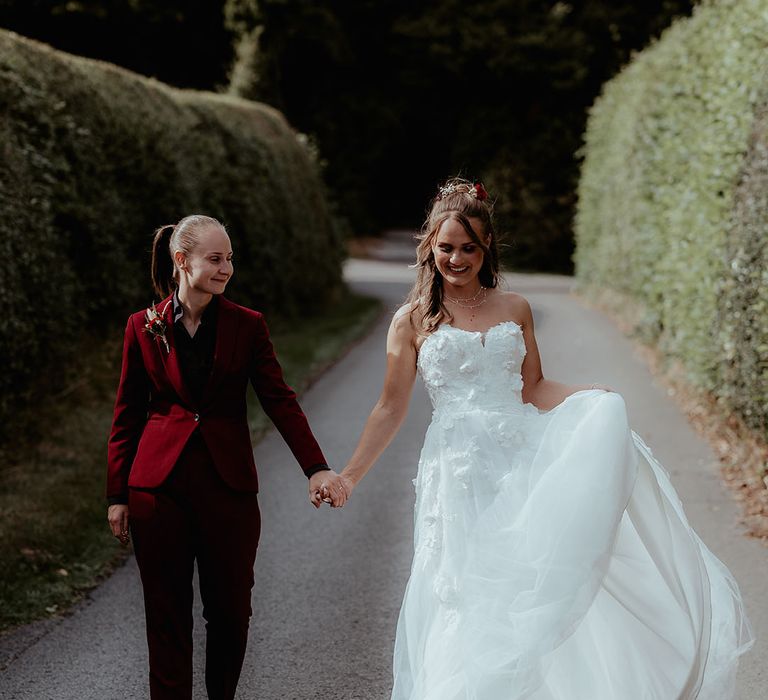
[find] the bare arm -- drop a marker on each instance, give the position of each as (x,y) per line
(391,408)
(545,394)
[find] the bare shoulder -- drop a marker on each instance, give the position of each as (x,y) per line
(516,307)
(402,327)
(405,310)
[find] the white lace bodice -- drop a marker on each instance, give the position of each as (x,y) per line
(469,370)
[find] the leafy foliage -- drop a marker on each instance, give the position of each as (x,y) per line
(400,95)
(672,200)
(742,293)
(99,158)
(182,43)
(395,96)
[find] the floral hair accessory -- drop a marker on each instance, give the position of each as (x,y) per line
(477,190)
(156,325)
(480,192)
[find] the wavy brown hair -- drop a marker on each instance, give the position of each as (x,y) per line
(426,296)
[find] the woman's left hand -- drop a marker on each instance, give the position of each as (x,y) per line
(117,516)
(604,387)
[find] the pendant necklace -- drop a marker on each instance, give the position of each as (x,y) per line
(462,302)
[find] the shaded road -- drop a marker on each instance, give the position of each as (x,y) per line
(329,583)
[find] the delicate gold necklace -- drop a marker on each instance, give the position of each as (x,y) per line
(461,302)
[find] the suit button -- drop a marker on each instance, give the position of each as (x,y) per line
(197,417)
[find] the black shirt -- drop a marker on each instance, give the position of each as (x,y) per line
(195,352)
(195,355)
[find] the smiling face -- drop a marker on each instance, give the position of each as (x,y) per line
(209,267)
(458,257)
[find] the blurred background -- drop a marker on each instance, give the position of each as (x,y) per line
(624,144)
(395,96)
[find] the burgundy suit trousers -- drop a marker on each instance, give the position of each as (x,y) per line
(192,515)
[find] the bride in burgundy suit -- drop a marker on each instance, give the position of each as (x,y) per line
(181,474)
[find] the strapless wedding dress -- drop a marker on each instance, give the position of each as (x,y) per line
(552,557)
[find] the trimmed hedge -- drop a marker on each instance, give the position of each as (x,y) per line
(94,159)
(672,200)
(743,290)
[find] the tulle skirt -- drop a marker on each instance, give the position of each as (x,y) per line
(553,561)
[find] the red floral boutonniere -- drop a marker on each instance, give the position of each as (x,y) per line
(156,325)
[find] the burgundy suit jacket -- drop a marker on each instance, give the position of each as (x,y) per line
(155,414)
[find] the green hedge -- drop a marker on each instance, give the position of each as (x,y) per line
(672,200)
(94,159)
(743,292)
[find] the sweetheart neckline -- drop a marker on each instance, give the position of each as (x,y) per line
(464,330)
(485,332)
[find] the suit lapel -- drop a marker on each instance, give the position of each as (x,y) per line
(171,359)
(226,339)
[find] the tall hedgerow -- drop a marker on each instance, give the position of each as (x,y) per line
(742,294)
(94,158)
(671,216)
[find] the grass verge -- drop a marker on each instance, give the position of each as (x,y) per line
(55,544)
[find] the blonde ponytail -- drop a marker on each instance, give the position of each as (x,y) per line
(168,239)
(162,263)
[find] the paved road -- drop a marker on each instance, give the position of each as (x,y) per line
(329,583)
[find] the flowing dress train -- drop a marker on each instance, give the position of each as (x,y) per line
(552,556)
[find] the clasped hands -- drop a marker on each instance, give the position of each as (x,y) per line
(329,487)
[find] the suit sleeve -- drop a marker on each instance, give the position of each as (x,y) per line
(279,402)
(129,419)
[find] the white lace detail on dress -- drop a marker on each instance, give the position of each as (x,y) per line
(552,557)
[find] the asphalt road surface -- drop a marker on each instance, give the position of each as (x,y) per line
(329,582)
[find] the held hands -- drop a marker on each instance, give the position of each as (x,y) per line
(329,487)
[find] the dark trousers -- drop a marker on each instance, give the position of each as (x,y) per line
(194,514)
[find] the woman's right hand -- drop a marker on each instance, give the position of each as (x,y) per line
(117,515)
(347,486)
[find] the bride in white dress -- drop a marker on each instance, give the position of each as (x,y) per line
(552,557)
